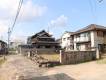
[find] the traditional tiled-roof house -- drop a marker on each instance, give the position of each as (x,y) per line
(43,40)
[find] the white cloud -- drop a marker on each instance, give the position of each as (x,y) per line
(19,38)
(61,21)
(29,9)
(3,27)
(29,12)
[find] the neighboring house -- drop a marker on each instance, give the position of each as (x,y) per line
(14,44)
(58,41)
(43,40)
(67,41)
(89,37)
(3,47)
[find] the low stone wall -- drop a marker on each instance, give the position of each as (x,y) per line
(74,57)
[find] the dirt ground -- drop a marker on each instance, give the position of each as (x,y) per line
(17,65)
(83,71)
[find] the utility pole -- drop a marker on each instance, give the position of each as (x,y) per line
(11,29)
(9,32)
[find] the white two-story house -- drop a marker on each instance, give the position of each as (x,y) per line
(67,41)
(88,38)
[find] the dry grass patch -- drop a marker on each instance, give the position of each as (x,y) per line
(2,60)
(51,57)
(101,61)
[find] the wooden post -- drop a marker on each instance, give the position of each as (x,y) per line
(29,53)
(20,51)
(60,56)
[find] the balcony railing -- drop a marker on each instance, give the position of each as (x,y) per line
(82,39)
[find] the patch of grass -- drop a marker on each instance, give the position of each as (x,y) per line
(101,61)
(2,60)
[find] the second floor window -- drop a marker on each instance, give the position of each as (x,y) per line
(99,33)
(68,38)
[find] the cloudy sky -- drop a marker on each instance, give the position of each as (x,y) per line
(58,15)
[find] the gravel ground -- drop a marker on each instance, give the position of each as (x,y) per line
(17,65)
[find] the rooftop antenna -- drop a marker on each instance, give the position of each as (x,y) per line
(48,29)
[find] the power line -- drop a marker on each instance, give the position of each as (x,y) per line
(17,14)
(93,10)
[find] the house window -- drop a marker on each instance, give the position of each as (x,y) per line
(88,46)
(78,47)
(99,33)
(68,38)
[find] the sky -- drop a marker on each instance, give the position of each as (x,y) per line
(56,15)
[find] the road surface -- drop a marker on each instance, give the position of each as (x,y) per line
(17,65)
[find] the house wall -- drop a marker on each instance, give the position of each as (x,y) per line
(66,41)
(83,37)
(105,38)
(82,47)
(95,40)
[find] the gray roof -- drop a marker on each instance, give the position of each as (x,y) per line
(90,28)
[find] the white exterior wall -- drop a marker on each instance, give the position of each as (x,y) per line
(75,39)
(66,43)
(92,38)
(82,47)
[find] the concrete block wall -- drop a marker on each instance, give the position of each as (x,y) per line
(74,57)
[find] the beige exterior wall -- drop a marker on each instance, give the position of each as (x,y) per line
(95,40)
(105,39)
